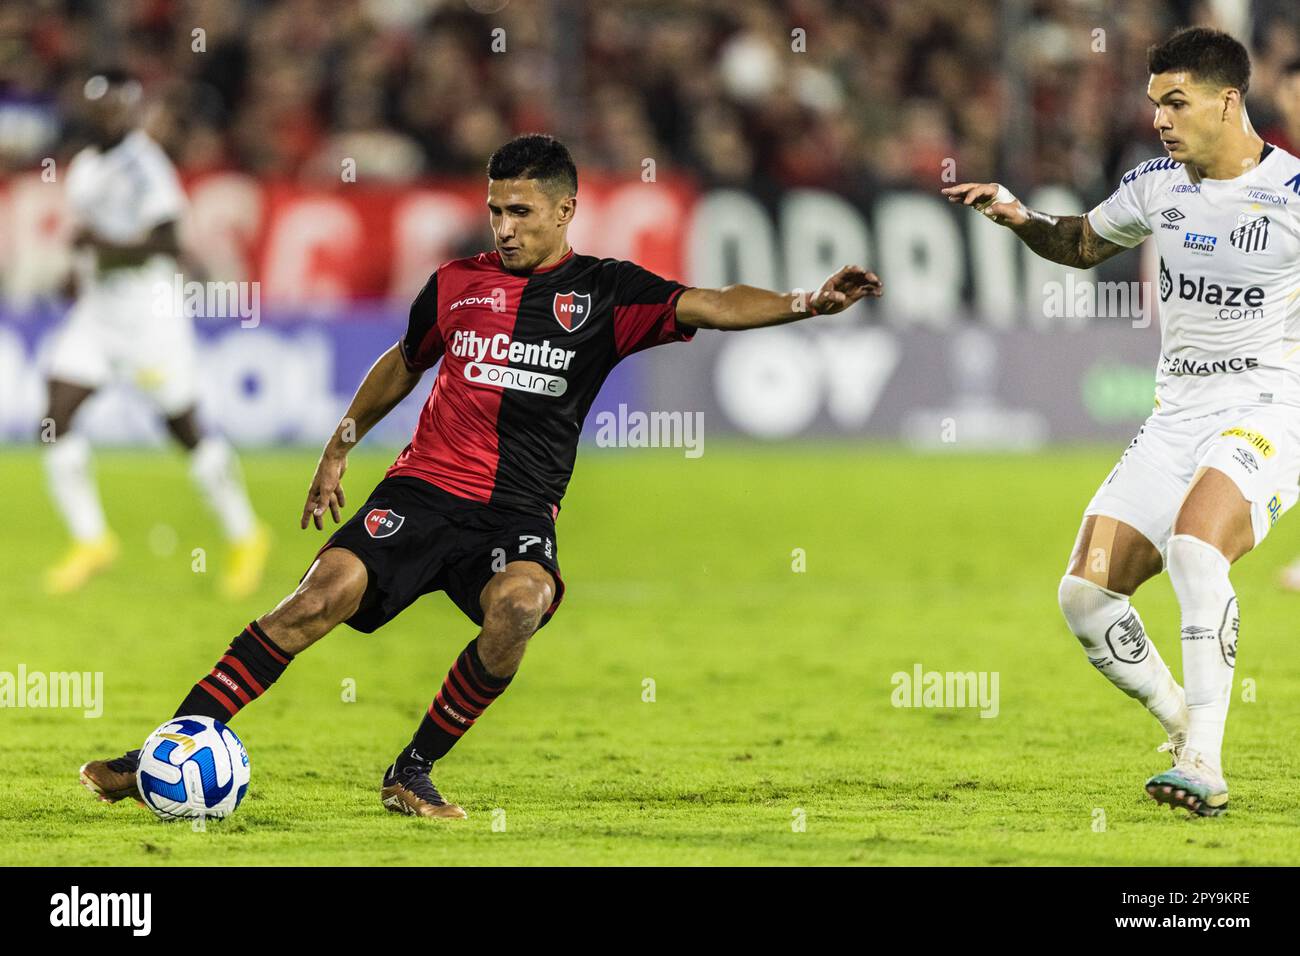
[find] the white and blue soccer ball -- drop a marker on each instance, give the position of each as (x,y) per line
(193,767)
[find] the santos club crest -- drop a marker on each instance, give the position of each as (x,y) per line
(571,309)
(381,522)
(1251,234)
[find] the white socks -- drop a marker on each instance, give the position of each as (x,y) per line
(215,470)
(72,486)
(213,466)
(1116,643)
(1199,574)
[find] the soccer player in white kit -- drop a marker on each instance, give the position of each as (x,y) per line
(126,201)
(1218,460)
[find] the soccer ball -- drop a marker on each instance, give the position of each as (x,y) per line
(193,767)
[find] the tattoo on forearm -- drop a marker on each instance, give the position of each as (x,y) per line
(1058,238)
(1068,240)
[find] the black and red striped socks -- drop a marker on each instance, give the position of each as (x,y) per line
(250,665)
(465,694)
(253,662)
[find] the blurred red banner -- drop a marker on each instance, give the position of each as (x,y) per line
(315,246)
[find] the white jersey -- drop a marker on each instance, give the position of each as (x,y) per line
(1229,279)
(125,326)
(123,194)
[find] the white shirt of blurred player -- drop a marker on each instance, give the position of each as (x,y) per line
(1229,282)
(123,194)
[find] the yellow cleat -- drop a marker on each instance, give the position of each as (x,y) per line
(245,564)
(83,561)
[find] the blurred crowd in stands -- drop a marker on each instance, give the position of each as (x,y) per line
(852,95)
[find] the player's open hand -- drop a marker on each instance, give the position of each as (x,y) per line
(326,491)
(992,199)
(844,288)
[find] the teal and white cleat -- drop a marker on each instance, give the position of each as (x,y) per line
(1192,784)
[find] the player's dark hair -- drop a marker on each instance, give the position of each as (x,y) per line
(535,156)
(1207,54)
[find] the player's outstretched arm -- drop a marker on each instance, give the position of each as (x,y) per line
(1069,240)
(745,307)
(385,385)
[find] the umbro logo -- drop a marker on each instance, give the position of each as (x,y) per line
(1172,217)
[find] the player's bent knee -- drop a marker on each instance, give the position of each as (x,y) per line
(1113,555)
(518,605)
(329,594)
(1086,605)
(1196,567)
(313,606)
(523,609)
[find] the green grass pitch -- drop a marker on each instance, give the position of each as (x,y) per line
(771,738)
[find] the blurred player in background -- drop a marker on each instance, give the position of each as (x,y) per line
(126,202)
(1218,460)
(526,336)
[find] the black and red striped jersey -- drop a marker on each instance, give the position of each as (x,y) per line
(523,357)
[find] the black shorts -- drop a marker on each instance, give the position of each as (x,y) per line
(415,538)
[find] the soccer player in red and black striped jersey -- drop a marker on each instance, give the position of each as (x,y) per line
(523,337)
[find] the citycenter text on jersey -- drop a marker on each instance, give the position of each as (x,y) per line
(476,347)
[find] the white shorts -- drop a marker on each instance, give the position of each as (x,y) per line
(1257,446)
(114,335)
